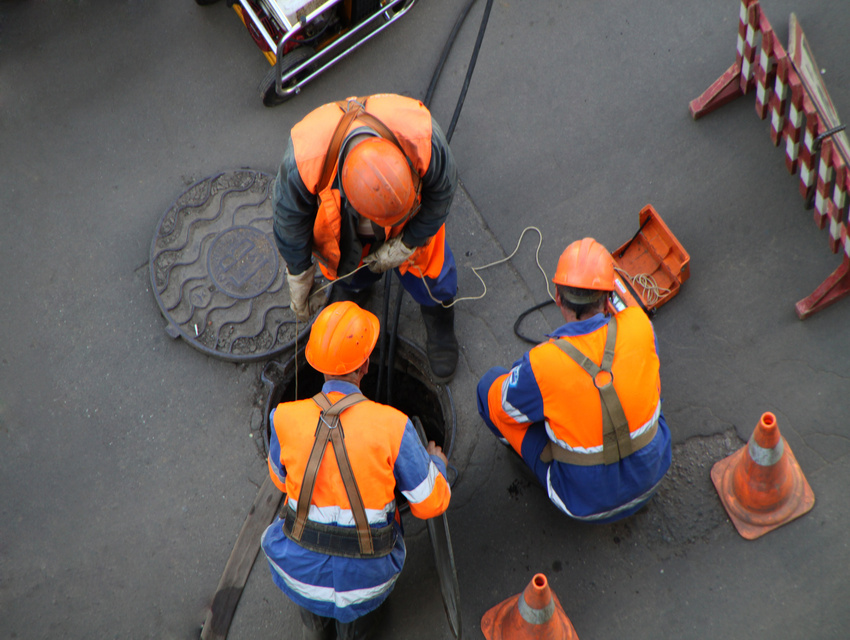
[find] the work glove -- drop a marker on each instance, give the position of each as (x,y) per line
(388,256)
(300,299)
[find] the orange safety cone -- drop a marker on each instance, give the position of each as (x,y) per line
(761,485)
(534,614)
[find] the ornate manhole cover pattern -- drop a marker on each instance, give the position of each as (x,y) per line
(216,272)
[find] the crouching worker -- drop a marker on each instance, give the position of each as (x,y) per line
(337,548)
(583,410)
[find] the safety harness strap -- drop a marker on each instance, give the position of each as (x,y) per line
(553,451)
(616,439)
(332,157)
(332,431)
(353,109)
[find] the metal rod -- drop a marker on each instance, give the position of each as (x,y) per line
(291,73)
(828,134)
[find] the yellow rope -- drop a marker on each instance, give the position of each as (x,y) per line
(653,292)
(475,270)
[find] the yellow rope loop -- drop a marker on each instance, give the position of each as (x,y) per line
(325,286)
(652,291)
(475,270)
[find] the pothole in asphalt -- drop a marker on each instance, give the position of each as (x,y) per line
(686,508)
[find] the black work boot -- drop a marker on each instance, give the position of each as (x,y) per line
(441,343)
(316,627)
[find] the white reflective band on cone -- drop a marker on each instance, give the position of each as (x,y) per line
(766,457)
(535,616)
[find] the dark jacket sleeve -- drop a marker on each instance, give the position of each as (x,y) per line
(294,215)
(438,188)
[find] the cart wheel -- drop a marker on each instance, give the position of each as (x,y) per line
(289,61)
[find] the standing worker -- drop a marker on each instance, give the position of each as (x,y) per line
(369,181)
(337,548)
(583,410)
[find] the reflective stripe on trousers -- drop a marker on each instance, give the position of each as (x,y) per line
(556,500)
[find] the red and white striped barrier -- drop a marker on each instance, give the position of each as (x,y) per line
(748,28)
(788,88)
(766,71)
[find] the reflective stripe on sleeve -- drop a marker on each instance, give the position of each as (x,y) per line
(508,408)
(424,489)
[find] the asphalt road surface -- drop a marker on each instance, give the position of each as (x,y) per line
(129,461)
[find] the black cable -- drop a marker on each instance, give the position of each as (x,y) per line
(522,317)
(622,250)
(393,340)
(315,36)
(382,352)
(427,101)
(446,49)
(470,69)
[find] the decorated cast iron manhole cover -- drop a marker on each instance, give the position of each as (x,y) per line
(216,272)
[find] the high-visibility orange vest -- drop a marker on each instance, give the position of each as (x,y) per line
(571,401)
(410,122)
(373,434)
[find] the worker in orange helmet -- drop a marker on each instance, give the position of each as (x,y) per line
(369,181)
(337,549)
(583,409)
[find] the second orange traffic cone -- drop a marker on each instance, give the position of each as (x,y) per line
(761,485)
(534,614)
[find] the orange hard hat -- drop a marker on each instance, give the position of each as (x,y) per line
(586,264)
(341,339)
(376,180)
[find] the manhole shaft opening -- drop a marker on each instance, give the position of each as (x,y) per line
(413,392)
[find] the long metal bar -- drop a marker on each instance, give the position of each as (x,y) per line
(291,73)
(444,557)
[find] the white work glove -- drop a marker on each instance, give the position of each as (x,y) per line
(388,256)
(300,301)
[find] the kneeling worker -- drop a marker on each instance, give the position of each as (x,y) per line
(337,548)
(584,409)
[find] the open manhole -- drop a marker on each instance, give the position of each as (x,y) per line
(216,272)
(413,391)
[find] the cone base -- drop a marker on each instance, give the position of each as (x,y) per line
(750,524)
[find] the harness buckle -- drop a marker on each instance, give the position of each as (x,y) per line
(348,102)
(603,379)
